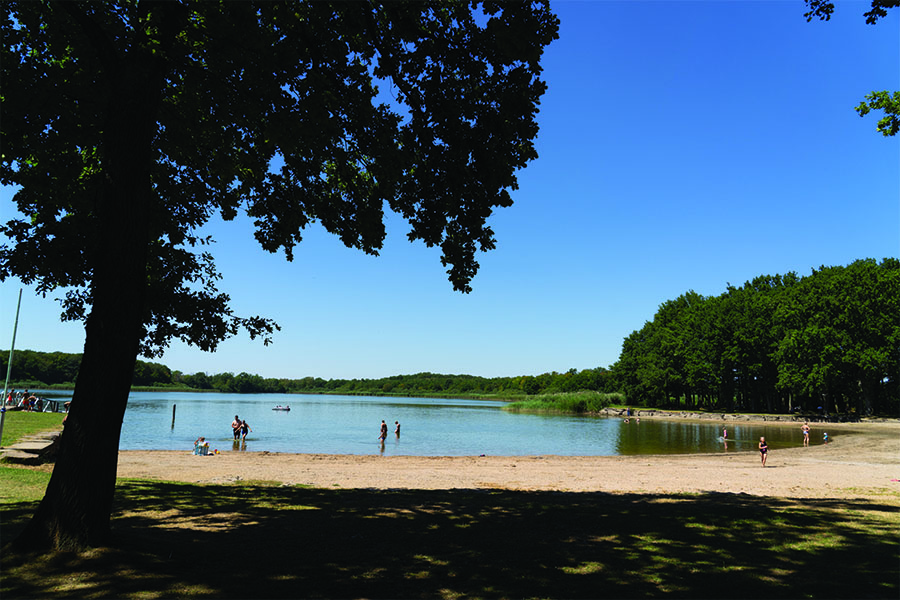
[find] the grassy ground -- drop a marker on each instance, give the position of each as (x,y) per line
(258,540)
(17,423)
(263,541)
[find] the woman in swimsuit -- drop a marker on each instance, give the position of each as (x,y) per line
(763,450)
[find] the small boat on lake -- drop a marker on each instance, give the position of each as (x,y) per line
(280,407)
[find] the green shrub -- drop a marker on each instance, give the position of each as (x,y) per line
(583,402)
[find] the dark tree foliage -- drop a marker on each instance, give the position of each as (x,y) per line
(883,100)
(823,9)
(777,343)
(128,124)
(49,368)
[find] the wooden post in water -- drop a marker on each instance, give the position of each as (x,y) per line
(173,415)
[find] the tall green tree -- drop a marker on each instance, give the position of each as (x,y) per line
(128,124)
(830,339)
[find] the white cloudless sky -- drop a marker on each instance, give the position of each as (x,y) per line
(683,146)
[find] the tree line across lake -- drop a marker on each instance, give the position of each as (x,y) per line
(39,369)
(776,344)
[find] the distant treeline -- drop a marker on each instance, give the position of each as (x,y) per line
(58,368)
(426,384)
(778,343)
(48,369)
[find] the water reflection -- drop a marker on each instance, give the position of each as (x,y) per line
(679,437)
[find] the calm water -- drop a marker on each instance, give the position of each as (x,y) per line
(350,425)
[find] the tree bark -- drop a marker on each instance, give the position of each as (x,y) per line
(76,509)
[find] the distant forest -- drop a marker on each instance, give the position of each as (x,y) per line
(776,344)
(60,369)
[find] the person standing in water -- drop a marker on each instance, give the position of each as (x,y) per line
(805,430)
(397,428)
(763,450)
(236,427)
(245,428)
(383,434)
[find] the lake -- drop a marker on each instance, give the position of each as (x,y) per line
(429,427)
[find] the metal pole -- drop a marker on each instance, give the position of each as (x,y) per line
(12,348)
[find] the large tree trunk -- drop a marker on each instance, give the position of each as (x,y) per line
(75,511)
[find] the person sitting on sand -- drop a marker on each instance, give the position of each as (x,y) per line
(201,446)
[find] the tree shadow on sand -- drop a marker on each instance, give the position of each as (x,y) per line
(260,541)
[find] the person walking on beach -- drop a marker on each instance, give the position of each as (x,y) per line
(245,428)
(383,435)
(805,430)
(236,427)
(763,450)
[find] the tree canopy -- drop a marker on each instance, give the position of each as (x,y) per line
(281,116)
(777,343)
(128,124)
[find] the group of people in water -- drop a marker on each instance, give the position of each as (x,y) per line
(383,431)
(240,429)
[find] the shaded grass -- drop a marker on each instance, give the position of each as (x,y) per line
(19,423)
(22,484)
(269,541)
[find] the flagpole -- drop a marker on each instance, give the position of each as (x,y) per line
(12,348)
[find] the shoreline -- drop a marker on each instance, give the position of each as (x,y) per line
(767,418)
(864,463)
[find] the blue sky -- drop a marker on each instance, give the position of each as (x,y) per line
(683,146)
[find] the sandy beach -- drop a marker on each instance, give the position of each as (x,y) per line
(863,461)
